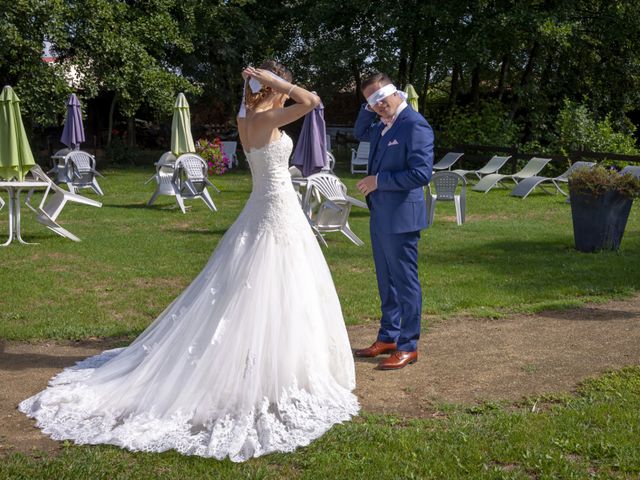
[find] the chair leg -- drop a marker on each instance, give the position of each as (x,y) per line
(71,187)
(319,236)
(55,227)
(206,198)
(153,197)
(180,202)
(212,185)
(351,236)
(559,189)
(456,201)
(96,188)
(432,210)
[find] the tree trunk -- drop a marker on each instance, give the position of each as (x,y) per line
(504,70)
(455,85)
(475,86)
(112,110)
(425,89)
(355,71)
(233,86)
(526,78)
(414,55)
(402,68)
(131,131)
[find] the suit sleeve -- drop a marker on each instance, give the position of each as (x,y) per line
(419,161)
(364,122)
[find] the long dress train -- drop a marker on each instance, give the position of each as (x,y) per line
(253,357)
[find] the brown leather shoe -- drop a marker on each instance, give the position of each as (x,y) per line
(378,348)
(398,360)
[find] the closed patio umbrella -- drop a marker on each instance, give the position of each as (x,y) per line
(73,132)
(16,157)
(181,139)
(412,96)
(311,150)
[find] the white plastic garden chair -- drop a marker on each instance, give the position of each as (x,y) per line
(163,176)
(360,158)
(526,186)
(447,161)
(190,181)
(331,212)
(492,166)
(81,172)
(532,168)
(51,206)
(442,187)
(230,148)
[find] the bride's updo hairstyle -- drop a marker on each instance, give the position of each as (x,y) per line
(252,100)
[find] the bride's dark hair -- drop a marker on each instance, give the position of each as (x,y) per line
(252,100)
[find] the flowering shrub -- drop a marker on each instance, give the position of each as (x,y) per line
(213,154)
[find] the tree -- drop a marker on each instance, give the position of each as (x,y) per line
(123,48)
(41,87)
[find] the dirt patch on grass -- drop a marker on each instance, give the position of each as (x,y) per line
(469,361)
(462,360)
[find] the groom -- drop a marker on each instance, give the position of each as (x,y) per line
(400,165)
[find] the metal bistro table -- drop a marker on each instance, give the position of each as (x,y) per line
(14,188)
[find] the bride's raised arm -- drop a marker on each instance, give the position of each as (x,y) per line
(277,117)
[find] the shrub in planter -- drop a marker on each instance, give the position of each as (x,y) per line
(600,204)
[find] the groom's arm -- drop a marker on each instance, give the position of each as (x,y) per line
(364,122)
(419,161)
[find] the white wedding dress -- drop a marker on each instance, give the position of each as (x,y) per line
(252,358)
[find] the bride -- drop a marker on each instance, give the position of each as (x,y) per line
(253,357)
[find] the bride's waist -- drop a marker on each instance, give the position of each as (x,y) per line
(274,185)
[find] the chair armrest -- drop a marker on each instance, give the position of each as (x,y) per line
(356,203)
(150,178)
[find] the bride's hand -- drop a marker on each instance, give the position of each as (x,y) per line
(246,73)
(266,78)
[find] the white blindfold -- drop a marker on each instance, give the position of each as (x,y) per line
(383,93)
(255,87)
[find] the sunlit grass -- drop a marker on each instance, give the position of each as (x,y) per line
(510,255)
(592,435)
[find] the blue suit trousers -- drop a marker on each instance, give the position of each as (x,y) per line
(396,260)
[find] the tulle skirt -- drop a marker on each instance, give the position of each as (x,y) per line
(253,357)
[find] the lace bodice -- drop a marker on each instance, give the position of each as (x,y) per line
(269,165)
(273,203)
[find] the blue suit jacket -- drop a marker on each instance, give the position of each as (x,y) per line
(403,161)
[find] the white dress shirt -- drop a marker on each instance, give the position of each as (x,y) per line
(400,108)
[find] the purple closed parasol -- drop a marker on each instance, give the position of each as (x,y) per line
(73,132)
(310,154)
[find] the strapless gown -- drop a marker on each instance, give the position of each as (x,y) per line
(252,358)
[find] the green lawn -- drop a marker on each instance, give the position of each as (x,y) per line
(512,255)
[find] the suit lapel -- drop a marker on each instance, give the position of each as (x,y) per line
(374,146)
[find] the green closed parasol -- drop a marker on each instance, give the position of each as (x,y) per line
(181,139)
(412,96)
(16,157)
